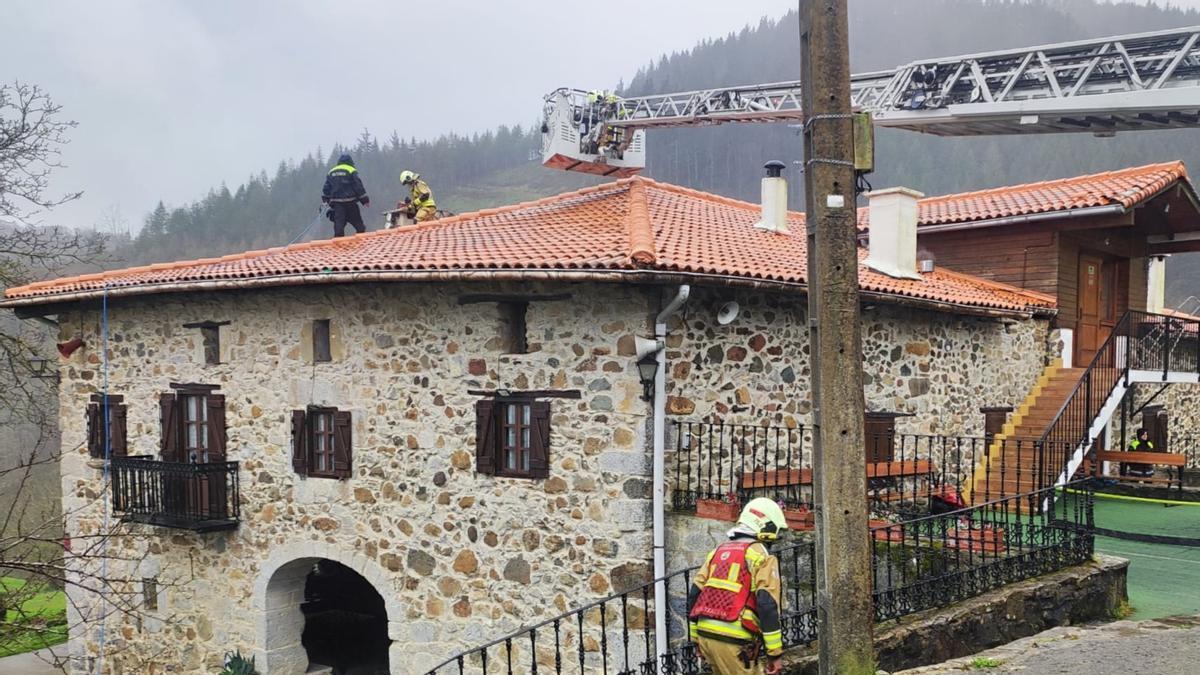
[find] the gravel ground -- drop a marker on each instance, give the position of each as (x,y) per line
(1158,647)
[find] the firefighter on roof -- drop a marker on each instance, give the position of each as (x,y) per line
(343,192)
(734,603)
(419,203)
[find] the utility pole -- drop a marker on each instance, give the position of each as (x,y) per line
(845,611)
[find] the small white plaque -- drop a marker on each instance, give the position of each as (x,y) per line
(835,201)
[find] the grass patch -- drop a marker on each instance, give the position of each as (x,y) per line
(985,662)
(1123,610)
(39,622)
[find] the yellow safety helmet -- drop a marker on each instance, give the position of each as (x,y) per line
(764,517)
(407,177)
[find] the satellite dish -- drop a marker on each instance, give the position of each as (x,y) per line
(728,312)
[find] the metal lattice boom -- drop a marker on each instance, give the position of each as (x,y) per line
(1124,83)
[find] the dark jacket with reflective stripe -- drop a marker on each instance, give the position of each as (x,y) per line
(342,184)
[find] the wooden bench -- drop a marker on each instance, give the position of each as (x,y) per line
(1169,460)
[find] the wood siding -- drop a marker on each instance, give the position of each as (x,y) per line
(1022,256)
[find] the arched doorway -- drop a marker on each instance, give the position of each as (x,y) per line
(345,622)
(326,607)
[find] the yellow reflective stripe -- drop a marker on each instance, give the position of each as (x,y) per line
(344,167)
(750,616)
(754,556)
(693,632)
(723,584)
(715,627)
(735,571)
(773,641)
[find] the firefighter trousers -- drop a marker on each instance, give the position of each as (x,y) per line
(724,659)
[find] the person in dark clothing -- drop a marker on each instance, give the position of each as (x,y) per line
(343,192)
(1141,444)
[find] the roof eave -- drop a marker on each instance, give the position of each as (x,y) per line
(43,305)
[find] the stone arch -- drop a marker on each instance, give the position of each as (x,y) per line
(279,591)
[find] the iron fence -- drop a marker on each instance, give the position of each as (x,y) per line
(918,564)
(714,462)
(200,497)
(1140,341)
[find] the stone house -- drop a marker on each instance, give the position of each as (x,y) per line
(442,432)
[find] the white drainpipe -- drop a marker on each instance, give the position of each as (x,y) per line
(659,477)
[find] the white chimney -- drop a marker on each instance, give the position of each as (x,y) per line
(893,232)
(774,199)
(1156,284)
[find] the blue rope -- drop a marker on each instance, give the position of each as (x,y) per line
(310,226)
(107,457)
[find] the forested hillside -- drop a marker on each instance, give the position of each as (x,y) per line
(500,167)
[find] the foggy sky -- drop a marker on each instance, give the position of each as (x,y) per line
(175,96)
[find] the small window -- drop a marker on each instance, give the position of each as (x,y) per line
(513,328)
(106,426)
(210,339)
(320,338)
(150,594)
(193,424)
(322,445)
(512,437)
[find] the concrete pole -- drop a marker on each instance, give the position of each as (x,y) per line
(845,612)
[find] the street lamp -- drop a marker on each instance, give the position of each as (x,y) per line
(647,369)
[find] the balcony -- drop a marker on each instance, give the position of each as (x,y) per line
(196,497)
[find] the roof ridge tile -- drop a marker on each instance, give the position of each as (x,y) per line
(642,248)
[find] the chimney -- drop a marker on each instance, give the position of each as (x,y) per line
(893,232)
(774,198)
(1156,284)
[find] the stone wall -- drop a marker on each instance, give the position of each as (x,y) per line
(459,557)
(938,369)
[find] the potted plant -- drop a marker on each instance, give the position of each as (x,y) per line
(719,509)
(236,664)
(799,518)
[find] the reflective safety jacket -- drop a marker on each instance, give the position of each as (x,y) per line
(735,596)
(421,196)
(1138,445)
(342,184)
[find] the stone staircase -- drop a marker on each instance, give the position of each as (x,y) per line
(1009,466)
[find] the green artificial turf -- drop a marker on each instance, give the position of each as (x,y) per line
(40,622)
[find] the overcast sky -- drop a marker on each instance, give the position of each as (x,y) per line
(174,96)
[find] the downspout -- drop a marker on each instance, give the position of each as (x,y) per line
(659,476)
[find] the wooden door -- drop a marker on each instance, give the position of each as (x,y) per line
(1093,282)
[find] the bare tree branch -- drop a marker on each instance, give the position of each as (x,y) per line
(31,138)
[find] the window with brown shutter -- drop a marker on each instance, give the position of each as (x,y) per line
(322,442)
(106,433)
(512,437)
(193,424)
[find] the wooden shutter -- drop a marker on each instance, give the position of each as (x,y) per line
(95,442)
(216,427)
(300,442)
(485,436)
(169,444)
(342,446)
(539,439)
(116,423)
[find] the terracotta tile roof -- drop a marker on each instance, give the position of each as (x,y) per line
(633,228)
(1126,187)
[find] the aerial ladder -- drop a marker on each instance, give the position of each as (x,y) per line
(1124,83)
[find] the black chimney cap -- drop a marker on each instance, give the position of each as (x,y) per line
(774,168)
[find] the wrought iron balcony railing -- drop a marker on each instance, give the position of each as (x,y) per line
(197,497)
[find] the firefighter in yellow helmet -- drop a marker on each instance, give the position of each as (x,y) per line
(735,602)
(419,202)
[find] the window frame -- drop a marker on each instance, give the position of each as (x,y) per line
(322,341)
(99,430)
(532,422)
(212,428)
(305,442)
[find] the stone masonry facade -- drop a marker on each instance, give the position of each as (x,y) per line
(459,558)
